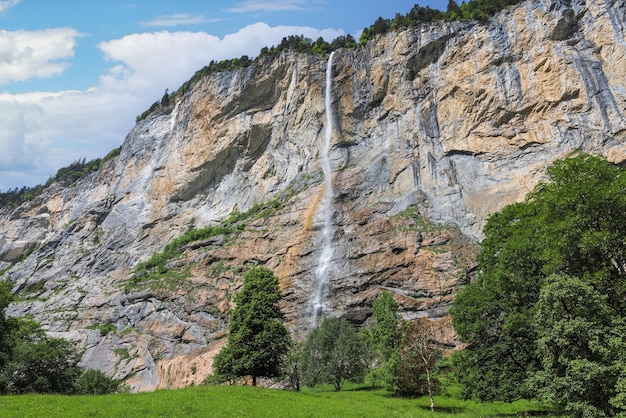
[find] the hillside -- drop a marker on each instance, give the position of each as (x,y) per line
(436,127)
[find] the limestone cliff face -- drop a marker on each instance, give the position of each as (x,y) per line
(437,127)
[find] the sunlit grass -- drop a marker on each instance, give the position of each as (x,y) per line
(238,401)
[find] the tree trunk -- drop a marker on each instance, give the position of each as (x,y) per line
(430,389)
(254,381)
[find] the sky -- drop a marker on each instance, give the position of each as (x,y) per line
(74,74)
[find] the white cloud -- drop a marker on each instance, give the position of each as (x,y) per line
(177,19)
(269,6)
(151,62)
(28,54)
(4,5)
(41,132)
(47,130)
(16,120)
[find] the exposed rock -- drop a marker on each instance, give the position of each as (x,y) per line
(437,127)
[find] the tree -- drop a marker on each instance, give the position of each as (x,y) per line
(40,364)
(165,100)
(573,226)
(292,366)
(380,26)
(257,338)
(453,7)
(580,343)
(418,357)
(7,325)
(333,353)
(33,362)
(384,336)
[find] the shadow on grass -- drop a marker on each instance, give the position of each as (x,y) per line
(364,389)
(445,409)
(529,414)
(452,410)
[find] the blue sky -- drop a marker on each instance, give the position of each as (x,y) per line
(75,73)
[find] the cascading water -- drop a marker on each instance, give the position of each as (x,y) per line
(324,265)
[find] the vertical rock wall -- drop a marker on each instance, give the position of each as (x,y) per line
(438,126)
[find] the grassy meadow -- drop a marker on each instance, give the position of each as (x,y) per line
(245,401)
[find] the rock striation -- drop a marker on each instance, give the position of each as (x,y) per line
(437,127)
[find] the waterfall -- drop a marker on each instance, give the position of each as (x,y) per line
(323,270)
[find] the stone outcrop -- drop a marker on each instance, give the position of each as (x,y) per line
(437,127)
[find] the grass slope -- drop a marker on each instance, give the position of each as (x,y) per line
(238,401)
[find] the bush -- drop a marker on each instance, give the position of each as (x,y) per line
(96,382)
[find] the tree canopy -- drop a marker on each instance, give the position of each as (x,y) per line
(333,353)
(33,362)
(384,336)
(257,338)
(546,309)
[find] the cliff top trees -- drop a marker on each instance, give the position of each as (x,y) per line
(528,317)
(257,338)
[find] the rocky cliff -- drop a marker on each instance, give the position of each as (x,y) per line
(436,127)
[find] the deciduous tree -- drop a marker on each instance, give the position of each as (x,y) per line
(30,360)
(257,338)
(384,336)
(569,232)
(333,353)
(418,357)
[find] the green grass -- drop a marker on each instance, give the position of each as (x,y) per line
(238,401)
(155,271)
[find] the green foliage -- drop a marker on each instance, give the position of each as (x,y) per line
(95,382)
(257,338)
(333,353)
(165,100)
(65,175)
(384,336)
(419,355)
(156,266)
(104,329)
(292,366)
(522,317)
(37,363)
(480,10)
(75,171)
(581,344)
(114,153)
(12,198)
(31,361)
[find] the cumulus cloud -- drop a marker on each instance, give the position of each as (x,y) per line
(4,5)
(151,62)
(41,132)
(28,54)
(47,130)
(16,121)
(20,153)
(177,20)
